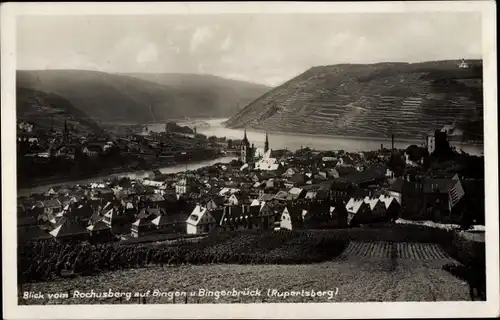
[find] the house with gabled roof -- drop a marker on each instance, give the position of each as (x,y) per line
(317,216)
(338,214)
(265,215)
(202,220)
(129,207)
(80,212)
(51,208)
(105,194)
(392,206)
(141,227)
(119,222)
(100,231)
(440,196)
(358,209)
(68,231)
(292,217)
(396,190)
(174,223)
(215,203)
(53,191)
(238,199)
(150,213)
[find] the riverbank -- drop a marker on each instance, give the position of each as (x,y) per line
(116,172)
(294,140)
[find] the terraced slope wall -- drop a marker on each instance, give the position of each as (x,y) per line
(377,100)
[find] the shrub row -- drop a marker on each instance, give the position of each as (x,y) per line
(48,259)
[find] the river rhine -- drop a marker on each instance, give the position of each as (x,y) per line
(293,142)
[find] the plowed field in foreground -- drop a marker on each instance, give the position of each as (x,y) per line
(380,271)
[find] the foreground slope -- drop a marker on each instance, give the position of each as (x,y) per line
(114,97)
(372,100)
(48,110)
(365,272)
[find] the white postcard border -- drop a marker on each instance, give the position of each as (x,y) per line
(285,310)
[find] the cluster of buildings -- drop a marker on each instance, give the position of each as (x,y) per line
(43,153)
(283,190)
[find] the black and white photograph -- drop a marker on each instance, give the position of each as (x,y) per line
(252,156)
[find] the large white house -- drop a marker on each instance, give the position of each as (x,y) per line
(202,220)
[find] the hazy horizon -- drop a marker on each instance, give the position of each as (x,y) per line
(264,49)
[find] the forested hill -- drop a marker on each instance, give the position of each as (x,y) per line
(373,100)
(50,111)
(143,97)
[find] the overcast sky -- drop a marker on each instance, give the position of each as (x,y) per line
(264,48)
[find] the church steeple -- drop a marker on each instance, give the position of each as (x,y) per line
(266,145)
(66,131)
(245,139)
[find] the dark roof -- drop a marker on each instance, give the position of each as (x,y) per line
(100,225)
(295,213)
(397,185)
(298,178)
(149,214)
(218,200)
(345,170)
(82,210)
(217,214)
(170,197)
(173,218)
(321,194)
(368,175)
(67,228)
(340,184)
(104,191)
(316,208)
(266,197)
(438,185)
(281,195)
(142,222)
(94,148)
(95,217)
(32,233)
(242,198)
(51,203)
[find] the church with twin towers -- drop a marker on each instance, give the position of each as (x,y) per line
(248,152)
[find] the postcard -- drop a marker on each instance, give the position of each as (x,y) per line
(249,160)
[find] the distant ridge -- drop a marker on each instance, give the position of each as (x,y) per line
(50,111)
(143,97)
(376,100)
